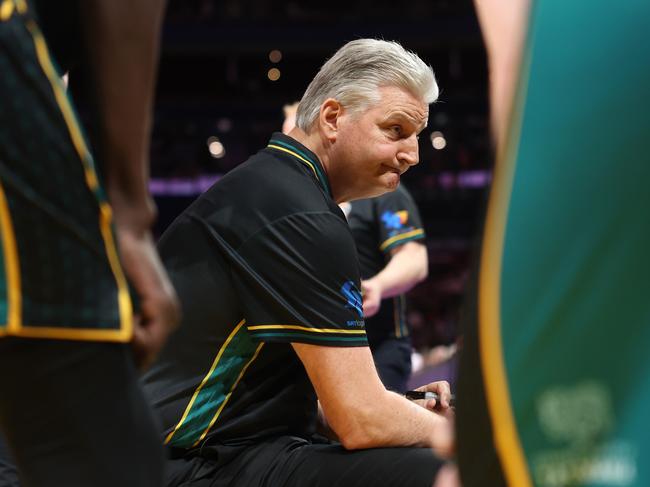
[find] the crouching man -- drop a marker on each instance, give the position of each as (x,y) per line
(265,266)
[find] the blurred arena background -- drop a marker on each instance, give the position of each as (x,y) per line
(228,68)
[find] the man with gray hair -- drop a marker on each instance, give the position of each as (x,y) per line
(265,266)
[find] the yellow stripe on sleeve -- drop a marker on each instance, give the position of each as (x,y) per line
(402,236)
(304,328)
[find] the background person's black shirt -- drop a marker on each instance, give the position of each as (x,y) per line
(379,225)
(262,259)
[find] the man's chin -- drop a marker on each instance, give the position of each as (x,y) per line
(391,181)
(386,184)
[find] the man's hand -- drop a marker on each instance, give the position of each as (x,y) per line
(442,439)
(407,266)
(443,406)
(371,291)
(159,309)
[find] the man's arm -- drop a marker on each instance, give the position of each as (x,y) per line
(362,412)
(503,23)
(407,266)
(122,39)
(317,311)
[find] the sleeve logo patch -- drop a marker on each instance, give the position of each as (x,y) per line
(354,300)
(395,220)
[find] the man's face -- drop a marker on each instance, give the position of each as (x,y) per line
(374,147)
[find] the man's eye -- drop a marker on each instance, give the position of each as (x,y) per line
(396,129)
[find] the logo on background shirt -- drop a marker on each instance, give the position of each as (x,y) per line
(353,296)
(395,220)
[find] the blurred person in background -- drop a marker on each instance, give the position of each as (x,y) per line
(389,239)
(553,387)
(75,242)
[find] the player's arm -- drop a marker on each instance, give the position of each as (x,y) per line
(362,412)
(122,40)
(408,265)
(503,23)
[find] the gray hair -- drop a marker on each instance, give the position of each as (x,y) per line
(353,75)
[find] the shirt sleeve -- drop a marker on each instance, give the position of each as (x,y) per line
(399,220)
(304,285)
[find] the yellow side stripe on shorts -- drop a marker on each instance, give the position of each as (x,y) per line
(6,9)
(62,100)
(125,306)
(105,214)
(499,401)
(12,266)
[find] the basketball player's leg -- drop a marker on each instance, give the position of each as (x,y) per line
(74,414)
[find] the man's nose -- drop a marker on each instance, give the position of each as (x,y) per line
(409,151)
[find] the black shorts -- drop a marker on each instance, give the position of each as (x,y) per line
(295,462)
(60,275)
(74,415)
(392,358)
(8,471)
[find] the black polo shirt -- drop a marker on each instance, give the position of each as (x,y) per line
(262,259)
(379,225)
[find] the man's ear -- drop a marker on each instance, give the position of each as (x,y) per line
(329,118)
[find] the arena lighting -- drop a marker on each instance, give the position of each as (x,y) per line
(217,150)
(224,125)
(275,56)
(274,74)
(438,140)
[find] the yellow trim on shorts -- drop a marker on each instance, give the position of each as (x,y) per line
(6,9)
(504,428)
(76,136)
(105,214)
(228,396)
(63,333)
(123,296)
(305,328)
(15,327)
(205,380)
(12,267)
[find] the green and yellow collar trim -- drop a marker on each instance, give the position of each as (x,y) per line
(286,144)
